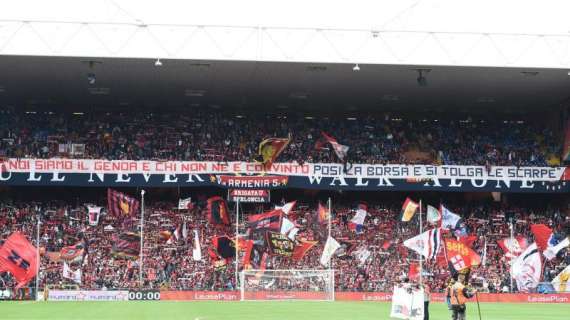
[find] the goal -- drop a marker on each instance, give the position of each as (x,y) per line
(263,285)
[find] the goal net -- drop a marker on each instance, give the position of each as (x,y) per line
(287,285)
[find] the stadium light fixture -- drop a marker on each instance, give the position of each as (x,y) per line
(158,63)
(91,79)
(356,68)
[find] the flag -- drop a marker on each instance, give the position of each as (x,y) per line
(484,259)
(121,204)
(279,244)
(467,240)
(176,234)
(527,268)
(345,250)
(362,254)
(269,220)
(270,149)
(449,220)
(93,215)
(72,253)
(461,256)
(542,235)
(224,247)
(513,247)
(247,247)
(414,272)
(427,244)
(330,248)
(74,276)
(433,215)
(289,229)
(560,283)
(409,208)
(407,303)
(185,204)
(184,231)
(19,257)
(339,149)
(196,249)
(302,248)
(126,245)
(357,222)
(323,214)
(218,211)
(552,250)
(286,208)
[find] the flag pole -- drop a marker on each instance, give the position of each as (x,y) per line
(421,256)
(237,242)
(331,269)
(512,239)
(141,256)
(38,255)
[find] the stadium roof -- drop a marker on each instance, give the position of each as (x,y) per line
(52,83)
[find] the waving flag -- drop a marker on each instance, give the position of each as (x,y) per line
(323,214)
(288,229)
(433,215)
(286,208)
(357,222)
(19,257)
(339,149)
(126,245)
(196,248)
(409,208)
(427,244)
(74,276)
(185,204)
(414,272)
(72,253)
(93,215)
(542,235)
(527,268)
(121,204)
(461,256)
(224,247)
(302,248)
(560,283)
(449,220)
(269,221)
(270,149)
(330,248)
(552,250)
(218,211)
(547,241)
(513,247)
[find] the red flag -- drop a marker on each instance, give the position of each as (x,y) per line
(339,149)
(542,234)
(19,257)
(121,204)
(460,255)
(218,211)
(468,240)
(386,244)
(302,248)
(270,220)
(270,149)
(513,248)
(322,214)
(414,272)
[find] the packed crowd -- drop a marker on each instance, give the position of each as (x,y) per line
(169,262)
(221,137)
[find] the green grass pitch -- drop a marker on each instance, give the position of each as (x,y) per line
(210,310)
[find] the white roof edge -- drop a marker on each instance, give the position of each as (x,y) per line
(282,44)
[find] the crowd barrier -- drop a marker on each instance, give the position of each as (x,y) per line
(359,296)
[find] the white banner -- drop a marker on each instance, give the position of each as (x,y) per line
(86,295)
(313,171)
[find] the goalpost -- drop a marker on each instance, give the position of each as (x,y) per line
(263,285)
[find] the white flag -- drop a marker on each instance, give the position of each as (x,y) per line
(407,303)
(362,255)
(184,204)
(286,208)
(427,244)
(551,252)
(560,283)
(184,231)
(197,250)
(449,219)
(526,269)
(75,276)
(93,215)
(331,246)
(433,215)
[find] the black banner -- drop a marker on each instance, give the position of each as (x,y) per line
(302,182)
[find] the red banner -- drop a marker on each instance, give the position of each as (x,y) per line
(354,296)
(19,257)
